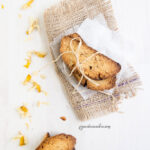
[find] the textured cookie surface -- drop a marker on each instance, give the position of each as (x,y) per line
(97,67)
(58,142)
(104,84)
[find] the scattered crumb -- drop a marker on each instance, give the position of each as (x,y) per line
(27,32)
(39,103)
(36,86)
(27,79)
(20,16)
(63,118)
(28,63)
(2,6)
(22,139)
(28,4)
(39,54)
(27,125)
(23,111)
(35,73)
(43,76)
(45,93)
(34,25)
(29,55)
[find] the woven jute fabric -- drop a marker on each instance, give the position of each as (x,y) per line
(66,15)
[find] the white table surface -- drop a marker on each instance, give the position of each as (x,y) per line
(129,131)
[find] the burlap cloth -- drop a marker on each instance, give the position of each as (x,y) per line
(67,14)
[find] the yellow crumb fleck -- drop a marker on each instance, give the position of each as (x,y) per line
(28,63)
(39,54)
(34,25)
(35,73)
(45,93)
(22,139)
(22,142)
(43,76)
(36,86)
(27,79)
(27,125)
(27,32)
(2,6)
(23,111)
(18,136)
(19,15)
(28,4)
(39,103)
(24,108)
(30,53)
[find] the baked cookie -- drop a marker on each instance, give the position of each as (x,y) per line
(97,67)
(58,142)
(104,84)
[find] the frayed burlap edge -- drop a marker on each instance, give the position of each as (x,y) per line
(66,15)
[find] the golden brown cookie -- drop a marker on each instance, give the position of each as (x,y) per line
(58,142)
(104,84)
(97,67)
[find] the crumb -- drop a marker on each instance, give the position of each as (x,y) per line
(2,6)
(35,73)
(29,55)
(28,4)
(39,54)
(28,63)
(22,139)
(27,79)
(27,32)
(34,25)
(36,86)
(23,111)
(27,125)
(45,93)
(43,76)
(20,16)
(39,103)
(63,118)
(22,142)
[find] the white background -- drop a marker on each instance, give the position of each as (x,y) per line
(129,131)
